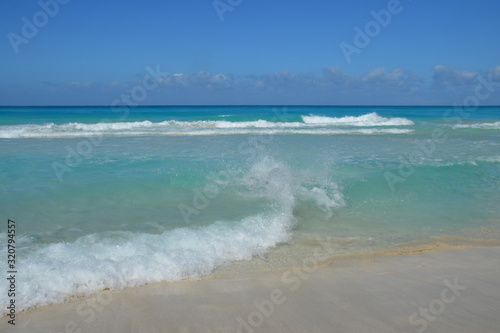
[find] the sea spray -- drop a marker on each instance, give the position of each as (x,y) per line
(116,260)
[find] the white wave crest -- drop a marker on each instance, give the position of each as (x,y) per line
(495,125)
(371,119)
(312,125)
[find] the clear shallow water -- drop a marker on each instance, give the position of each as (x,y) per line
(117,198)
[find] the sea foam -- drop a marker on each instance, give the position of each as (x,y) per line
(311,125)
(487,125)
(53,272)
(370,119)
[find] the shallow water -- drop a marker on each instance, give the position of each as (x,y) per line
(117,198)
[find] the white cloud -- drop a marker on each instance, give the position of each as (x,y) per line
(494,72)
(335,75)
(450,76)
(331,86)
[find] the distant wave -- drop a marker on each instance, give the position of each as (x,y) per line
(495,125)
(312,125)
(458,161)
(371,119)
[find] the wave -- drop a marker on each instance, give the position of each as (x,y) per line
(312,125)
(207,132)
(371,119)
(491,159)
(488,125)
(56,272)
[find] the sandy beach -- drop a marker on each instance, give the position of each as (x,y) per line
(249,218)
(250,166)
(455,290)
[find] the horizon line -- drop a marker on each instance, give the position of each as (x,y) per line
(249,105)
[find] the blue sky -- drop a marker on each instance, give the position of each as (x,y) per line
(91,52)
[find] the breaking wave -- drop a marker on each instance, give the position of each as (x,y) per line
(311,125)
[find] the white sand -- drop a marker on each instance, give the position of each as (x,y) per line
(444,291)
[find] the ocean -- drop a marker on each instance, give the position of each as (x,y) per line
(116,197)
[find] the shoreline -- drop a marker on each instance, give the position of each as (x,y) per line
(229,297)
(273,261)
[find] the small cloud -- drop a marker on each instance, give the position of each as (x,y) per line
(450,76)
(79,84)
(335,75)
(219,78)
(377,77)
(375,74)
(494,72)
(395,78)
(195,80)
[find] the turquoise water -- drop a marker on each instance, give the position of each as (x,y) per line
(114,198)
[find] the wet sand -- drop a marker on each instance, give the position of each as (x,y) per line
(454,290)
